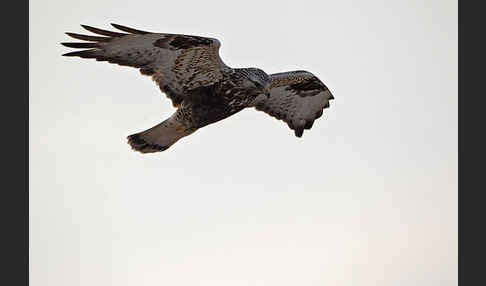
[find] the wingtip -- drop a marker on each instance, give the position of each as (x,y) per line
(128,29)
(83,54)
(88,38)
(86,27)
(116,26)
(72,54)
(80,45)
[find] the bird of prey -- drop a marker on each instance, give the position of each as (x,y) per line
(200,85)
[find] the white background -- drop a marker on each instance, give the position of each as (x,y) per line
(367,197)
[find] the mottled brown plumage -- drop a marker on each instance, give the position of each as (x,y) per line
(190,72)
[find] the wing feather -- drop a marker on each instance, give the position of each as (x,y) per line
(129,30)
(103,32)
(177,63)
(298,98)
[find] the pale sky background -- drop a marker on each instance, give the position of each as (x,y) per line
(367,197)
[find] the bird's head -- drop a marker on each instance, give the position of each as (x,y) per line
(260,80)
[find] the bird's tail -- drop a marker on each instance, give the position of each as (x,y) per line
(160,137)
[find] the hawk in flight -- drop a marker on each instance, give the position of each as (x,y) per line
(204,90)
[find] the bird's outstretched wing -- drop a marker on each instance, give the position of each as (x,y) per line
(297,97)
(177,63)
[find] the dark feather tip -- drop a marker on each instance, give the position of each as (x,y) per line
(299,132)
(103,32)
(71,54)
(128,30)
(88,38)
(83,54)
(80,45)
